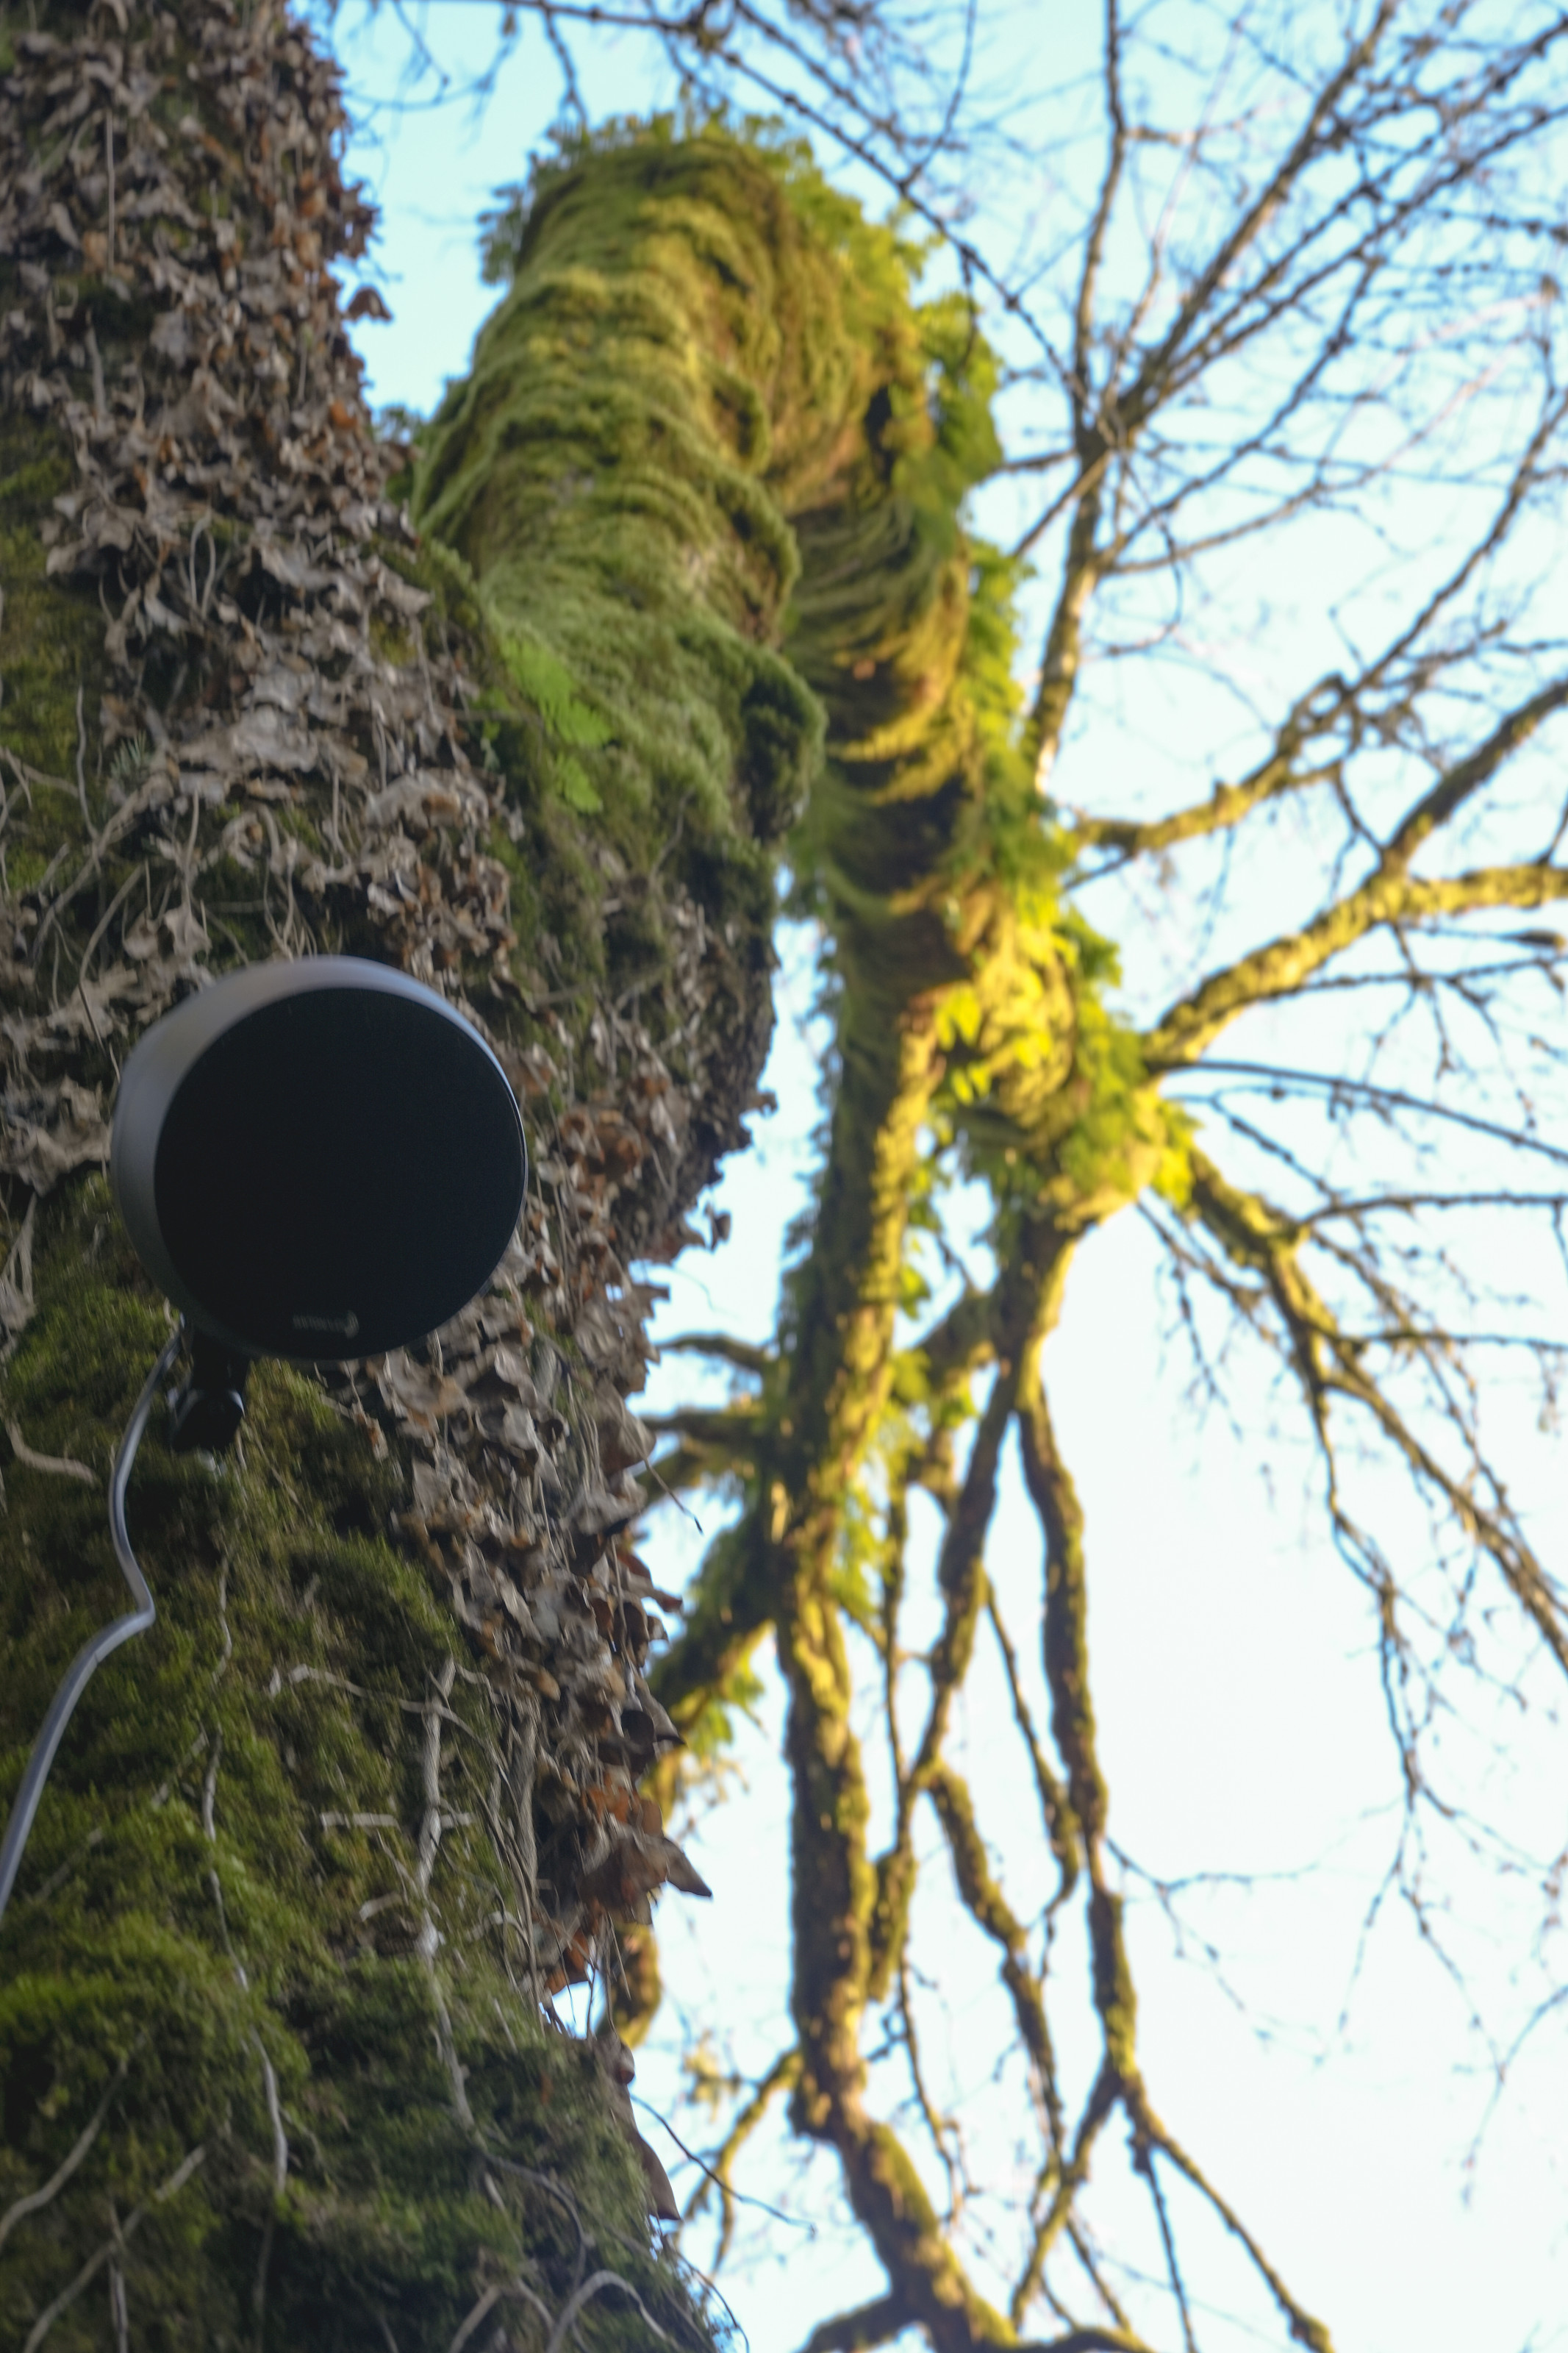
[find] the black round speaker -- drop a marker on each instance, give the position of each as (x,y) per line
(317,1159)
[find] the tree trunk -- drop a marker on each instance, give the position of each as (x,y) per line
(277,2060)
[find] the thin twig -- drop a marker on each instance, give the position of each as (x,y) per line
(94,2263)
(591,2287)
(62,1466)
(37,2199)
(794,2221)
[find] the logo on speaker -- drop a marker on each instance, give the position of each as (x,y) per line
(347,1325)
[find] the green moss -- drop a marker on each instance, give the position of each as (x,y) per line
(693,527)
(616,471)
(51,639)
(144,1958)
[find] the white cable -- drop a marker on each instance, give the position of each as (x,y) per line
(94,1651)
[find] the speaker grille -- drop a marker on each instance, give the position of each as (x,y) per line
(338,1173)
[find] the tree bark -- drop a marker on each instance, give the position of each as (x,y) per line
(277,2057)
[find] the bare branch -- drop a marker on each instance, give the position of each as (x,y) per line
(1277,1079)
(1100,224)
(1281,968)
(854,2332)
(1328,1366)
(989,1909)
(780,2076)
(1056,1811)
(739,1352)
(1466,777)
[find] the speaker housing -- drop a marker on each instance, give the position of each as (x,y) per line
(317,1159)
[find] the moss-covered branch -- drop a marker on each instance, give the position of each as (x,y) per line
(1390,897)
(1330,1369)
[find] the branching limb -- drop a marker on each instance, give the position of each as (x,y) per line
(740,1354)
(1056,1503)
(1091,2340)
(1282,966)
(1143,2158)
(1056,1808)
(842,1368)
(1120,2083)
(782,2076)
(960,1344)
(856,2332)
(1329,1364)
(1032,1288)
(1207,322)
(962,1578)
(1304,2329)
(1460,783)
(1066,2181)
(834,1889)
(1177,345)
(724,1436)
(1339,1090)
(988,1907)
(1334,705)
(942,2131)
(1063,656)
(1077,2241)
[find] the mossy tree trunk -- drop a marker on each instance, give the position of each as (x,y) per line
(973,1037)
(277,2061)
(681,572)
(696,332)
(317,1848)
(700,338)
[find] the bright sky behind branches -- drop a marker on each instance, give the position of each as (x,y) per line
(1241,1722)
